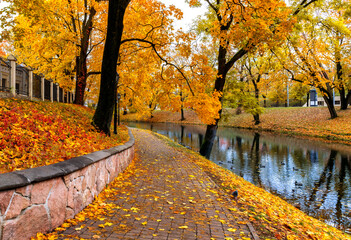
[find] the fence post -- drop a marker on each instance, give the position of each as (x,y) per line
(12,60)
(30,80)
(58,93)
(51,91)
(42,87)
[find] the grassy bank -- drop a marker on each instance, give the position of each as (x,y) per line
(311,122)
(34,134)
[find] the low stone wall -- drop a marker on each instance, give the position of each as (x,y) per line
(40,199)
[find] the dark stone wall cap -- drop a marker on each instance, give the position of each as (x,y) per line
(115,150)
(39,174)
(73,164)
(97,156)
(12,180)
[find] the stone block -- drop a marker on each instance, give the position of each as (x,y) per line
(5,197)
(41,190)
(57,203)
(18,204)
(69,213)
(25,191)
(20,228)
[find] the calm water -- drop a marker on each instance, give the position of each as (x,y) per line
(313,176)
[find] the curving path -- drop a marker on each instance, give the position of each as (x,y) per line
(167,197)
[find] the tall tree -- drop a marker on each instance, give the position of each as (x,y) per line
(240,27)
(108,83)
(56,38)
(152,36)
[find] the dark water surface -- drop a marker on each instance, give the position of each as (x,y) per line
(313,176)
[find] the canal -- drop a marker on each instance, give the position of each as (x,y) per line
(311,175)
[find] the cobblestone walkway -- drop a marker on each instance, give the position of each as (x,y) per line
(168,197)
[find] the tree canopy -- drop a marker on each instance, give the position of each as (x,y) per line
(242,54)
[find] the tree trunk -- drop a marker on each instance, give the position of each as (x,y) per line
(343,100)
(264,101)
(331,108)
(308,99)
(223,68)
(257,96)
(182,118)
(257,118)
(207,144)
(81,61)
(108,84)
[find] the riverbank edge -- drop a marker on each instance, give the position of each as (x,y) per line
(290,133)
(269,214)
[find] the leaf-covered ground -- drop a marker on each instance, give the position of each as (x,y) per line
(301,121)
(165,194)
(161,195)
(35,134)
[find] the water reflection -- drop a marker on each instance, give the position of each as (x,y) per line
(310,175)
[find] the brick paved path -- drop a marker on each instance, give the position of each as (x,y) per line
(168,197)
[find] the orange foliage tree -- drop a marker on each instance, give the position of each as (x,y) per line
(57,37)
(148,28)
(239,27)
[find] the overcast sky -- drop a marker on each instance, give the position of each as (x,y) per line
(189,14)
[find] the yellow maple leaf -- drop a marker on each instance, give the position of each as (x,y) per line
(183,227)
(144,223)
(231,229)
(66,225)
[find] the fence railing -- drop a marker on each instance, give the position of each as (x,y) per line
(30,85)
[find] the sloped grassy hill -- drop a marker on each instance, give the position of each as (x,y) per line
(35,134)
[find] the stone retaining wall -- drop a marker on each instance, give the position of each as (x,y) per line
(40,199)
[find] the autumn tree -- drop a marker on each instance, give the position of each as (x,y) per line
(240,27)
(306,51)
(336,24)
(57,37)
(151,32)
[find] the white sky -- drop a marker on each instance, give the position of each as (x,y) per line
(189,14)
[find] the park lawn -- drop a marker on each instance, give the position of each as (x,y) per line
(34,134)
(300,121)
